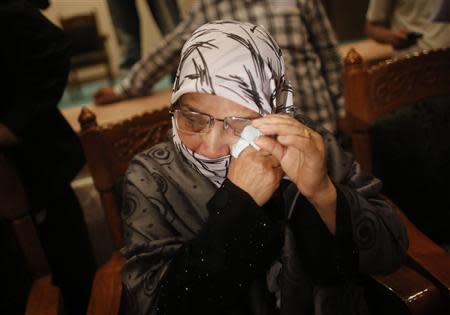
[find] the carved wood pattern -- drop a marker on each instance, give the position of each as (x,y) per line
(138,138)
(126,139)
(408,79)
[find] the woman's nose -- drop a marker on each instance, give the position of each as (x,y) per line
(215,143)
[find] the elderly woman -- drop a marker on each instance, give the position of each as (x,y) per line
(248,210)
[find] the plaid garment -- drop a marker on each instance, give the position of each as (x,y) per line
(300,27)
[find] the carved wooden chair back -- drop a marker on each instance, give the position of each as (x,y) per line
(110,148)
(372,93)
(43,298)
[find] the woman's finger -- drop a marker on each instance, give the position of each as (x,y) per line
(271,146)
(279,124)
(274,120)
(262,155)
(305,145)
(288,130)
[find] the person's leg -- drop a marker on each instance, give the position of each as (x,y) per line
(66,242)
(125,19)
(165,13)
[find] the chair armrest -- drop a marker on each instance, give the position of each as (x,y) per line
(431,269)
(428,257)
(409,292)
(425,255)
(44,298)
(107,287)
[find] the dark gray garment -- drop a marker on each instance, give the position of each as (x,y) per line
(165,205)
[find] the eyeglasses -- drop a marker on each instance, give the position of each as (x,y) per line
(199,123)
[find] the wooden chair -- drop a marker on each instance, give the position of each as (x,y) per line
(108,150)
(372,92)
(44,298)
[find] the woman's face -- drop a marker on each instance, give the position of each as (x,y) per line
(217,141)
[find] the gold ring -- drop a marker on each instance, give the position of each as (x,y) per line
(306,133)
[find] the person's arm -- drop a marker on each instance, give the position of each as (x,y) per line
(212,271)
(40,56)
(378,24)
(369,237)
(324,41)
(328,257)
(160,61)
(340,223)
(383,34)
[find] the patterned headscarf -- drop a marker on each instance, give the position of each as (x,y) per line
(240,62)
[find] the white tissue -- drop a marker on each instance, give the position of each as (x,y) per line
(249,134)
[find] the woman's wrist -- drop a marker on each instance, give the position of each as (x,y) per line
(325,195)
(324,201)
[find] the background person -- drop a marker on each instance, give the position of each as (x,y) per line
(126,21)
(34,59)
(300,27)
(406,25)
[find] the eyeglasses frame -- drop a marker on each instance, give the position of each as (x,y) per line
(212,120)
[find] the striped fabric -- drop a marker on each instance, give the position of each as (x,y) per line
(302,31)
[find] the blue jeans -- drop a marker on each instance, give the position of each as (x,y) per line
(126,22)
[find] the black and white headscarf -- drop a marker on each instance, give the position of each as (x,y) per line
(240,62)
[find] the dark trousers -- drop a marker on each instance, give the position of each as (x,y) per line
(65,239)
(126,21)
(15,277)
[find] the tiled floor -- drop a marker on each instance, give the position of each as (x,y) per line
(83,94)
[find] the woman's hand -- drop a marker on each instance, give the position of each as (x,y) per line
(302,156)
(256,172)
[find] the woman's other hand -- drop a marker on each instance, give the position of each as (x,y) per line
(301,154)
(256,172)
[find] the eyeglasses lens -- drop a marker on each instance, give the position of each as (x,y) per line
(194,122)
(191,121)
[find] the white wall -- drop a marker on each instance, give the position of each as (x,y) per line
(149,30)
